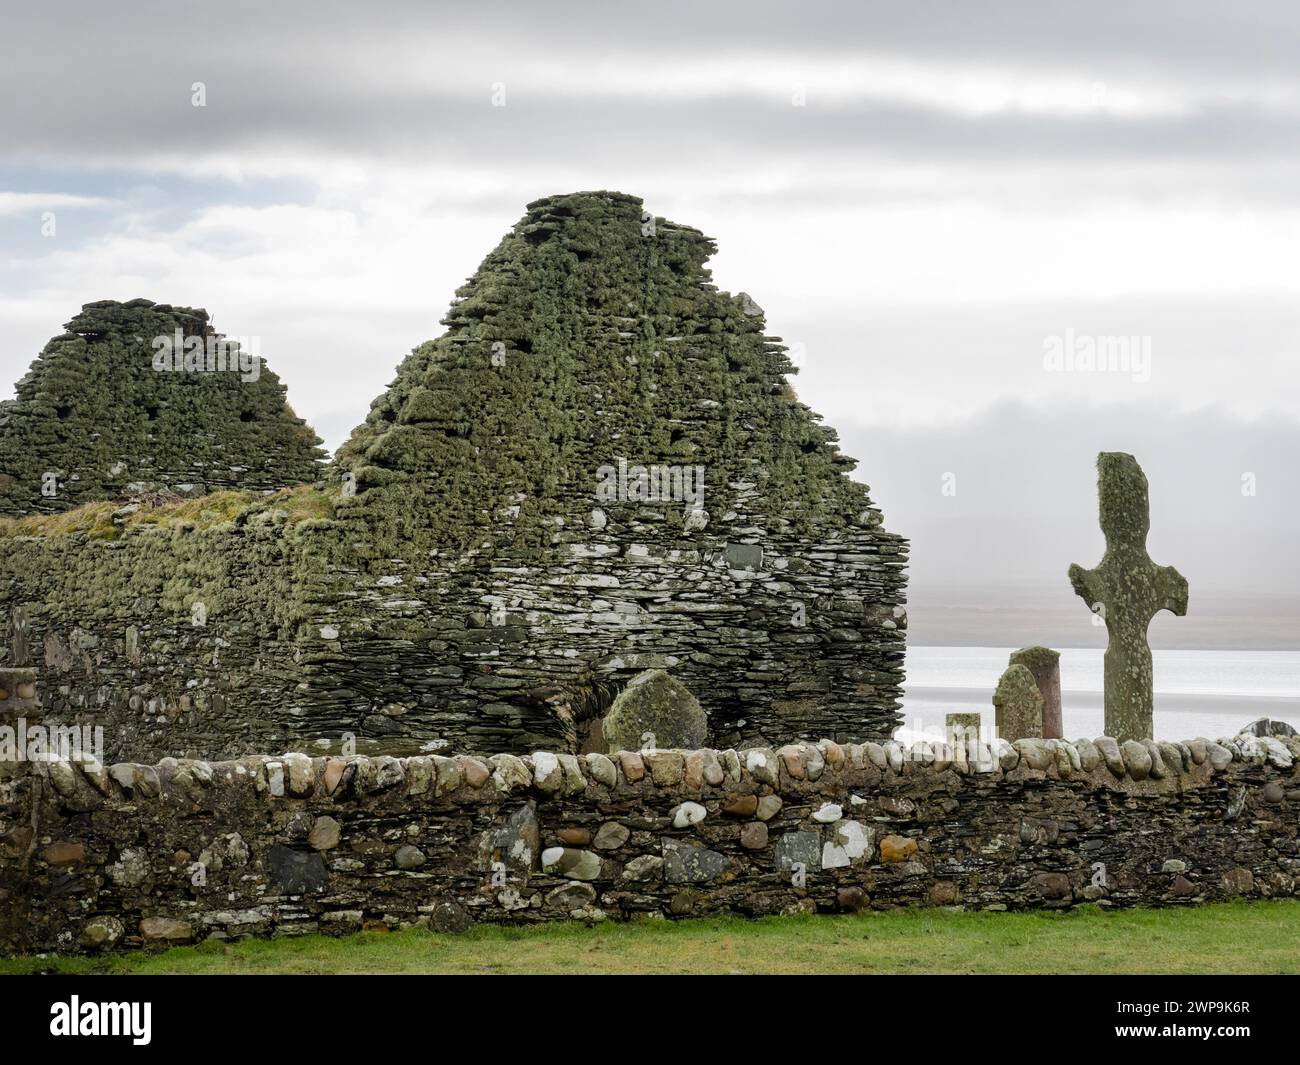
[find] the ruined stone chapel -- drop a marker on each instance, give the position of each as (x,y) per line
(599,468)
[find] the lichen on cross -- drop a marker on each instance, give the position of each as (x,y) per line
(1126,590)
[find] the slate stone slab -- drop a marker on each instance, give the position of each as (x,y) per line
(298,872)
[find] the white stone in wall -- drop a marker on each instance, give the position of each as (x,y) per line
(827,813)
(853,838)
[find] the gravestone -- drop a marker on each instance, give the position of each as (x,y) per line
(1045,665)
(1126,589)
(961,728)
(1018,705)
(20,648)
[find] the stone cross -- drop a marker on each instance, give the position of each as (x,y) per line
(1126,590)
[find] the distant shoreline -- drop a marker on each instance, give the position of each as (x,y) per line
(1279,706)
(1020,615)
(1197,691)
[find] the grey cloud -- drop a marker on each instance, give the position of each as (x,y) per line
(327,81)
(1202,37)
(108,85)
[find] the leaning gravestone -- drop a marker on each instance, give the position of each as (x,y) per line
(1018,705)
(655,710)
(1045,665)
(1125,590)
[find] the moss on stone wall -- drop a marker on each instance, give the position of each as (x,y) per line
(141,396)
(592,332)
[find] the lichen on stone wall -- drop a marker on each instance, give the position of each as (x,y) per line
(592,332)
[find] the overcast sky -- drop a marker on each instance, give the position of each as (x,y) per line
(926,198)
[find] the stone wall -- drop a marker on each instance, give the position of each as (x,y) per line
(168,634)
(92,857)
(218,637)
(592,338)
(115,407)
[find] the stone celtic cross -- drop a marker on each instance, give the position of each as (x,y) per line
(1126,590)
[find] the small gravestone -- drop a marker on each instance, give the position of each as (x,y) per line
(20,651)
(1045,665)
(655,710)
(961,729)
(1126,589)
(1018,705)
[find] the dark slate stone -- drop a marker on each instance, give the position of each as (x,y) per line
(685,863)
(802,848)
(744,556)
(297,872)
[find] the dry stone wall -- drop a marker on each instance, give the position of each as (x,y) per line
(257,632)
(94,857)
(512,548)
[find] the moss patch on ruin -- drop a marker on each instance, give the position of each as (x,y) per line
(109,521)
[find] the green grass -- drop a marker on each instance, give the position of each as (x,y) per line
(1239,937)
